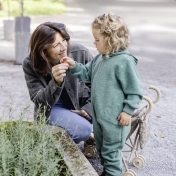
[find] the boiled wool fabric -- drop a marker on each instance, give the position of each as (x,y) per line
(115,84)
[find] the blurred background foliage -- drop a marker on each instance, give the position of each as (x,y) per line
(32,7)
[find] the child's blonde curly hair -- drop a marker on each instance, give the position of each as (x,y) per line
(114,30)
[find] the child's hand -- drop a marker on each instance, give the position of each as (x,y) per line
(124,119)
(69,61)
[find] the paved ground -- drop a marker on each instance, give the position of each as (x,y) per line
(153,29)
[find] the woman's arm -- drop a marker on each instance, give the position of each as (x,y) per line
(41,92)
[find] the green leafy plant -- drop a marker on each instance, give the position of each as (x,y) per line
(29,148)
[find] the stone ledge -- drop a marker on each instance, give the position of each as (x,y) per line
(72,155)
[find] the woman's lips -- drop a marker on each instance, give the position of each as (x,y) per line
(63,54)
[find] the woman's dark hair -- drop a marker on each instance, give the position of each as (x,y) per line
(41,39)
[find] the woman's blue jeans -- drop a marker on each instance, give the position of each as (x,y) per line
(76,126)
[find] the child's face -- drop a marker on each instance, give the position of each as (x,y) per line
(99,41)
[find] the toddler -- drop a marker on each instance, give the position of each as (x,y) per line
(116,88)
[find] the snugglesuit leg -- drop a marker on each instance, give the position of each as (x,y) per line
(110,140)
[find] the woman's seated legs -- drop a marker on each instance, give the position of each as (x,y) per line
(76,126)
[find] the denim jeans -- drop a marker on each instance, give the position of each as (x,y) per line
(76,126)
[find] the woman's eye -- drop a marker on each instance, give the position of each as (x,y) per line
(56,45)
(64,41)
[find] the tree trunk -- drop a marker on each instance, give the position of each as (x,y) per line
(1,8)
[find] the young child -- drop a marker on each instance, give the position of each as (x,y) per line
(116,88)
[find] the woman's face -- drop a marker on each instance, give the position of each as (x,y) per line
(58,49)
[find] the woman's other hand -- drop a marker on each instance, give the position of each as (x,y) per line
(124,119)
(83,113)
(59,71)
(69,61)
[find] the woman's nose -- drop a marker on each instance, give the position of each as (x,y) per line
(63,46)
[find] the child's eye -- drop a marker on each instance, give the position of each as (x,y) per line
(97,40)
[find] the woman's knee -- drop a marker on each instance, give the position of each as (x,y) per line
(76,126)
(83,133)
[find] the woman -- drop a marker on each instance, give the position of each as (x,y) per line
(63,98)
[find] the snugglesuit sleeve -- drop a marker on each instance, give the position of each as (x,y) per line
(83,72)
(131,85)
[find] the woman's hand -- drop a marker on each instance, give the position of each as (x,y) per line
(124,119)
(82,113)
(69,61)
(59,71)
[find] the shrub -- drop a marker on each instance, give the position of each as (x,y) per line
(29,148)
(32,7)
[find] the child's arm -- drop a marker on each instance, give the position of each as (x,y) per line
(124,119)
(82,72)
(132,87)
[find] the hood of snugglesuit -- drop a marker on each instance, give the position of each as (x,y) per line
(122,52)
